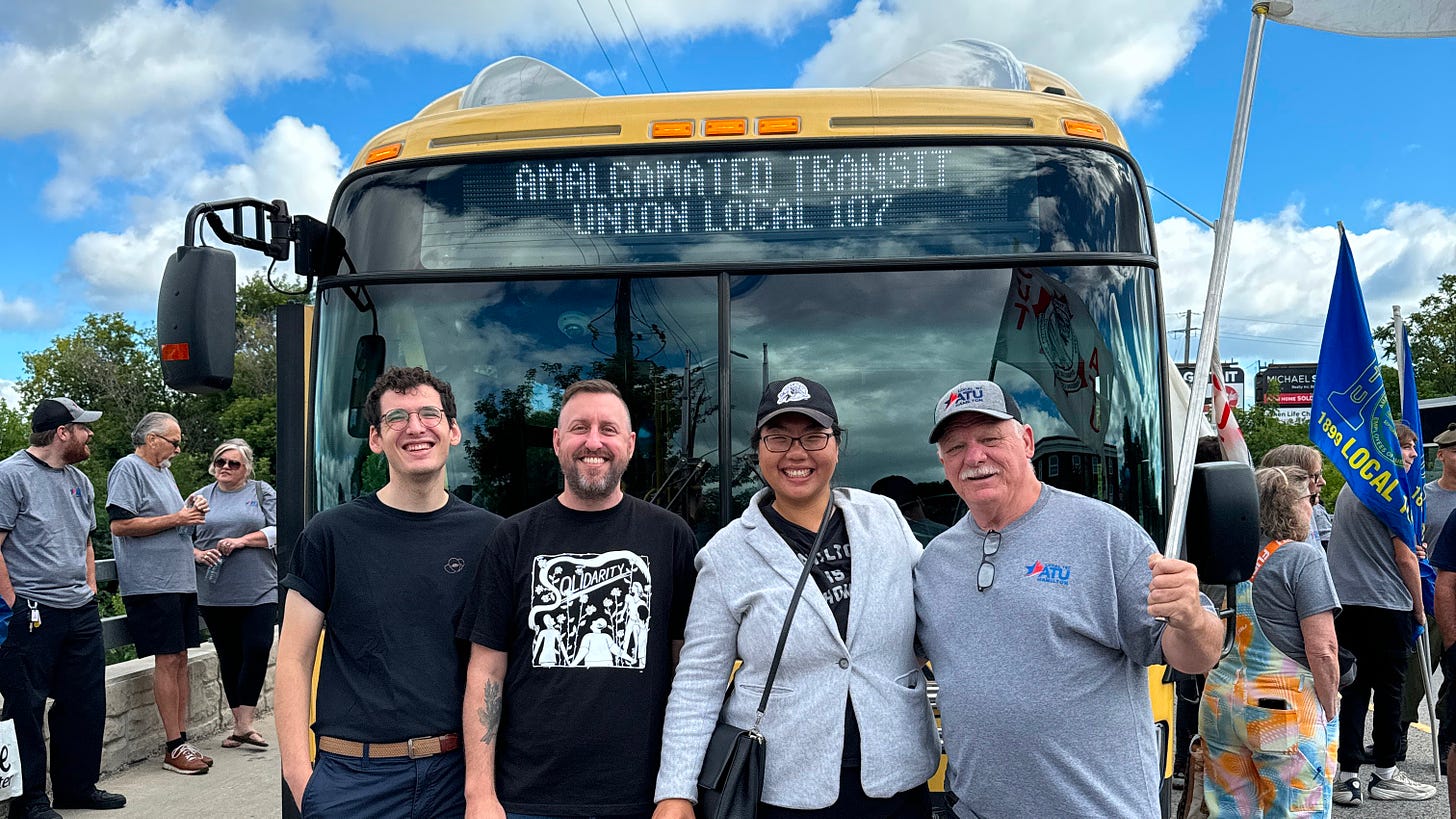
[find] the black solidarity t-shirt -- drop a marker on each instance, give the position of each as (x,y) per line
(391,585)
(586,605)
(831,573)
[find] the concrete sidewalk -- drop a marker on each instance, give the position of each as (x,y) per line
(244,782)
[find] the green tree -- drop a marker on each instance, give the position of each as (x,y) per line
(1432,333)
(14,429)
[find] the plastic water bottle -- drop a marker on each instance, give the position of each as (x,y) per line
(215,570)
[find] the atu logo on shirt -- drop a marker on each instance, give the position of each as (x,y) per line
(1050,573)
(590,610)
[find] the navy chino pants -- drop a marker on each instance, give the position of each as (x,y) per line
(64,659)
(392,788)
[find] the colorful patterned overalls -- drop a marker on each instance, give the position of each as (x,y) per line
(1271,759)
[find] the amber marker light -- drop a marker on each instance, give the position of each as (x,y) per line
(1083,128)
(725,127)
(672,129)
(383,152)
(176,352)
(768,126)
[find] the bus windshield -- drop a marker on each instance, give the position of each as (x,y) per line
(1076,345)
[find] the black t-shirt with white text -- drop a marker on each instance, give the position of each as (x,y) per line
(831,573)
(391,585)
(586,606)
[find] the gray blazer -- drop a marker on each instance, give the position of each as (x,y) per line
(746,575)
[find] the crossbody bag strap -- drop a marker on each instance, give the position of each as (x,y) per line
(773,669)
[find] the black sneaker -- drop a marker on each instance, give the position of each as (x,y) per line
(1348,792)
(38,809)
(97,799)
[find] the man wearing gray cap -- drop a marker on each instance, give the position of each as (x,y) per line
(48,576)
(1039,611)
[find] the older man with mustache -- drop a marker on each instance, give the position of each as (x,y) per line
(1039,611)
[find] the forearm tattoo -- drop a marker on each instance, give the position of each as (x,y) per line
(490,713)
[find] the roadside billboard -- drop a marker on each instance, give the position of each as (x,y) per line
(1295,388)
(1233,381)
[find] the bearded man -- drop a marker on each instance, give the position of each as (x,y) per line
(547,738)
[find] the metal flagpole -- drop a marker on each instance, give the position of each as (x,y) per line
(1222,235)
(1423,642)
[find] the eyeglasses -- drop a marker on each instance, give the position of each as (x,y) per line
(398,419)
(177,444)
(811,441)
(224,463)
(986,575)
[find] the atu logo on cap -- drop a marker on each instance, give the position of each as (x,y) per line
(793,391)
(976,394)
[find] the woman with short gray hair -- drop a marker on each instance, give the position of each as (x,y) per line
(237,580)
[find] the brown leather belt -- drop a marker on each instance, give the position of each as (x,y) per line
(416,748)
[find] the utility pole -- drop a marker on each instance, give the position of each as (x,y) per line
(1187,336)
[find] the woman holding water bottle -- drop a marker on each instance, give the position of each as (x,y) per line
(237,580)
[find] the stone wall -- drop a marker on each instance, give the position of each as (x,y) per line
(133,728)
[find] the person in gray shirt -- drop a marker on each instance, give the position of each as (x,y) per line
(54,649)
(1039,611)
(151,530)
(1377,577)
(237,581)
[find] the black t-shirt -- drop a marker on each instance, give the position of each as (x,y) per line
(831,573)
(586,605)
(391,585)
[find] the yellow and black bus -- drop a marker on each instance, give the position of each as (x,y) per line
(962,216)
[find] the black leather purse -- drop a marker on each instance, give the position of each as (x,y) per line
(731,782)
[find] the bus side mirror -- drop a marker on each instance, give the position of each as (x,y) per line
(1223,522)
(368,366)
(197,319)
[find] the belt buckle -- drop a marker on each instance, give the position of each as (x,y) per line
(409,745)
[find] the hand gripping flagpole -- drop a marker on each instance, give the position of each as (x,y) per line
(1222,236)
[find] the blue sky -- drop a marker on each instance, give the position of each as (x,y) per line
(120,115)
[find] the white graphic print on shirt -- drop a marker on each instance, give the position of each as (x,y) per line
(590,610)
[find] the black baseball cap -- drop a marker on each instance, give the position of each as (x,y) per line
(797,395)
(57,412)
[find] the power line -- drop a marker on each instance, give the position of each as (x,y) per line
(1271,321)
(630,48)
(593,31)
(645,46)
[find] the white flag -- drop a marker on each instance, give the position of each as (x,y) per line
(1230,436)
(1048,333)
(1386,18)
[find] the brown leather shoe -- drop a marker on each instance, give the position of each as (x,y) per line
(184,760)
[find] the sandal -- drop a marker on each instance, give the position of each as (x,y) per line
(252,738)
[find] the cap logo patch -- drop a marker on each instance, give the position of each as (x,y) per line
(967,395)
(793,391)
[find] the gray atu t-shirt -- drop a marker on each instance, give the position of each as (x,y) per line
(247,577)
(1362,558)
(1293,584)
(49,514)
(1439,504)
(1043,679)
(156,564)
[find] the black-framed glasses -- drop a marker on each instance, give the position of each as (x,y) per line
(986,575)
(226,463)
(177,444)
(397,419)
(810,441)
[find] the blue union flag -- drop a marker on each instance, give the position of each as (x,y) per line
(1350,417)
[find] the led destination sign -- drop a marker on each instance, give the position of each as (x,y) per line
(744,206)
(766,192)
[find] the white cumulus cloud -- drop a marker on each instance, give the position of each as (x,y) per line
(293,161)
(9,393)
(18,311)
(1281,271)
(1114,51)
